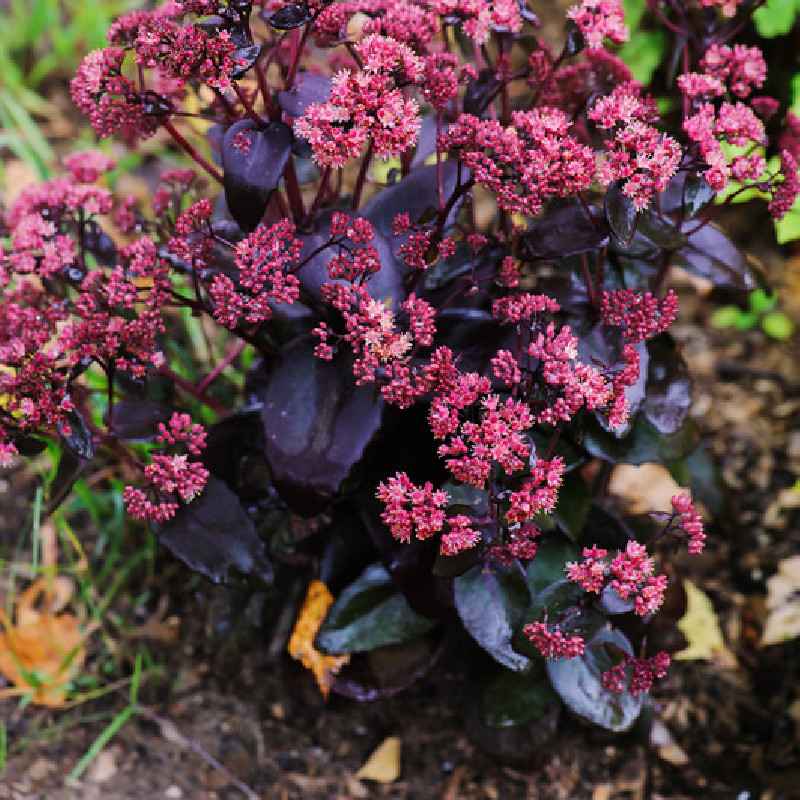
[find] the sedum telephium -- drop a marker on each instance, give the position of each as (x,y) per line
(501,153)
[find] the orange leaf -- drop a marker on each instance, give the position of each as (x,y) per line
(301,644)
(43,652)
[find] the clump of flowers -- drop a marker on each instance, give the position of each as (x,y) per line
(173,478)
(435,358)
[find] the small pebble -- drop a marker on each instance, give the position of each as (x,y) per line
(174,792)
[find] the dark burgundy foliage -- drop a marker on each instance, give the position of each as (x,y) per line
(252,173)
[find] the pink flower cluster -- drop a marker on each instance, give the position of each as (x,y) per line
(736,124)
(539,492)
(552,642)
(107,97)
(637,154)
(524,164)
(471,448)
(629,574)
(599,19)
(461,535)
(412,510)
(171,476)
(365,106)
(740,67)
(690,522)
(481,16)
(641,316)
(578,384)
(264,260)
(643,673)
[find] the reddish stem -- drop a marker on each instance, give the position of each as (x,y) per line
(227,360)
(192,152)
(194,391)
(362,178)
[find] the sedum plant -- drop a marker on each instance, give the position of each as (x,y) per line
(445,247)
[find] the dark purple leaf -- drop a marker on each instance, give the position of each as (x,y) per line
(99,244)
(426,143)
(697,194)
(348,550)
(563,232)
(458,564)
(386,671)
(154,105)
(291,16)
(252,173)
(214,536)
(660,231)
(612,602)
(491,603)
(602,345)
(669,388)
(474,334)
(369,613)
(529,745)
(249,54)
(620,213)
(413,195)
(137,420)
(384,285)
(410,564)
(479,92)
(26,444)
(308,88)
(317,424)
(69,469)
(234,452)
(513,699)
(712,255)
(579,683)
(575,41)
(76,435)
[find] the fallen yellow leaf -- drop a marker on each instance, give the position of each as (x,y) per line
(700,626)
(301,643)
(45,649)
(383,766)
(783,603)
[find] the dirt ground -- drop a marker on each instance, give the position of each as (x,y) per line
(231,717)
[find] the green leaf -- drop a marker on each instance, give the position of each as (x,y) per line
(574,502)
(513,699)
(725,316)
(788,228)
(760,301)
(369,613)
(643,53)
(776,17)
(547,566)
(777,325)
(490,604)
(643,444)
(745,321)
(579,683)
